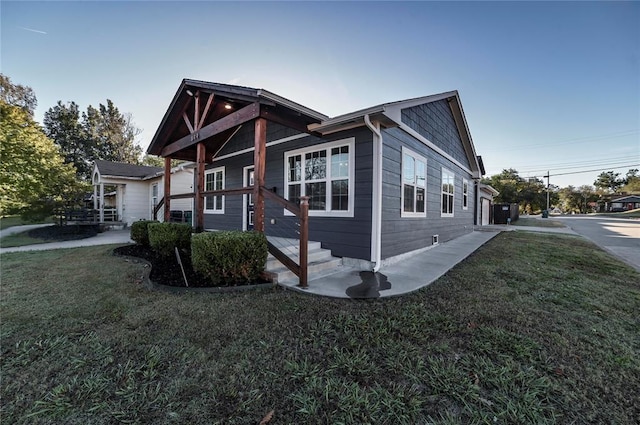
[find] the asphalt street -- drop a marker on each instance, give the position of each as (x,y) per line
(619,236)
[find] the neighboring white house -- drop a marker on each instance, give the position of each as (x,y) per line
(138,189)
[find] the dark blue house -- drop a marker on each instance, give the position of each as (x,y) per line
(382,182)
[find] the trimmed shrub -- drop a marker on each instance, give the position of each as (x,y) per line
(140,232)
(164,237)
(229,258)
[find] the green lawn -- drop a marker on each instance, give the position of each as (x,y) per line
(537,222)
(625,214)
(20,239)
(15,220)
(531,328)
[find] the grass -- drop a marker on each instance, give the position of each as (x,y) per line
(20,239)
(624,214)
(16,220)
(542,222)
(530,329)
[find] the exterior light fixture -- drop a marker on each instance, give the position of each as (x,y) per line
(189,92)
(227,106)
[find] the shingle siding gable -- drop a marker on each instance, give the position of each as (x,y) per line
(434,121)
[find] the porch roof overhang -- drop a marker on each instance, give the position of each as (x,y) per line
(211,113)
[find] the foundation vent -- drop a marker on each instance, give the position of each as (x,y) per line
(434,239)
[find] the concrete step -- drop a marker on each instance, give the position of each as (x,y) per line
(313,256)
(320,262)
(314,271)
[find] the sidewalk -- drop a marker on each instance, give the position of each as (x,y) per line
(104,238)
(400,278)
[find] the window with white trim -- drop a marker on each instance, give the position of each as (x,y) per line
(154,195)
(324,173)
(448,184)
(214,180)
(465,194)
(414,184)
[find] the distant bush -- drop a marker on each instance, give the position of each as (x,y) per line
(164,237)
(229,258)
(140,232)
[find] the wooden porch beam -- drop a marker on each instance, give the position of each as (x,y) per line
(201,153)
(196,113)
(241,116)
(187,122)
(206,111)
(259,163)
(167,189)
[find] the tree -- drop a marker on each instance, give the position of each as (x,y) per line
(156,161)
(17,95)
(62,124)
(102,133)
(631,182)
(33,176)
(112,133)
(530,194)
(609,181)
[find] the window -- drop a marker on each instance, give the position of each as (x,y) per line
(414,184)
(154,195)
(214,180)
(324,173)
(448,180)
(465,194)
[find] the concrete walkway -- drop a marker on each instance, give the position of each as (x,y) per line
(104,238)
(400,278)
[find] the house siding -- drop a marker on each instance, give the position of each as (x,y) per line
(434,121)
(405,234)
(344,236)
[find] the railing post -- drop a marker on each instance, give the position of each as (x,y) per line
(304,239)
(167,188)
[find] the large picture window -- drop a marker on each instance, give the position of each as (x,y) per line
(448,184)
(414,184)
(324,173)
(214,180)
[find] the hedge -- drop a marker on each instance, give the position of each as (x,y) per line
(140,232)
(229,258)
(164,237)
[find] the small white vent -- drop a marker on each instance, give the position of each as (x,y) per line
(434,239)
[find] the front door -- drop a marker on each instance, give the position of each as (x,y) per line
(247,222)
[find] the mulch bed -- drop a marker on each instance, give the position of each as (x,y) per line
(166,271)
(64,233)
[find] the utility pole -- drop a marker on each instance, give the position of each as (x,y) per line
(548,185)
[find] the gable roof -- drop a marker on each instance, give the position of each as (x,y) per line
(119,169)
(174,138)
(629,198)
(226,100)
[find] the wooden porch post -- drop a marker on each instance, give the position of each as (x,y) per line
(201,152)
(101,202)
(167,189)
(259,162)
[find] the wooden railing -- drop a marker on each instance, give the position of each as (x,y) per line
(301,212)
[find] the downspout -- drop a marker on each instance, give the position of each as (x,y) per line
(376,198)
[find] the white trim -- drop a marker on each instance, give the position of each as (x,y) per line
(376,195)
(453,195)
(224,178)
(350,142)
(431,145)
(251,149)
(416,157)
(245,197)
(465,195)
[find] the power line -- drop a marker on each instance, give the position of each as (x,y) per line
(588,171)
(567,141)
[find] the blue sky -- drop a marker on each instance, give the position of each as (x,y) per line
(545,86)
